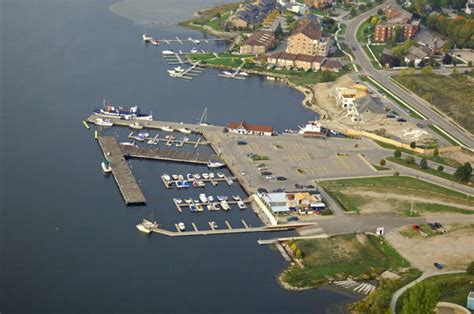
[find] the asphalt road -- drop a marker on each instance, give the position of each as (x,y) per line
(383,77)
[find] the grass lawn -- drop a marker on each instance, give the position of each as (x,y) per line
(380,168)
(217,22)
(415,166)
(213,17)
(452,288)
(400,185)
(439,159)
(361,34)
(342,256)
(451,94)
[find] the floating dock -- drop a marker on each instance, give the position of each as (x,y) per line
(216,231)
(126,182)
(169,155)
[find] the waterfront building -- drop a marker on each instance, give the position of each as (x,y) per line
(249,129)
(317,62)
(258,43)
(286,60)
(319,4)
(331,65)
(299,61)
(252,14)
(304,62)
(308,39)
(276,202)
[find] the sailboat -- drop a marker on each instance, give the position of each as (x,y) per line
(203,120)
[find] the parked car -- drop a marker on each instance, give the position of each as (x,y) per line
(241,143)
(266,173)
(281,178)
(421,126)
(292,218)
(270,177)
(261,165)
(401,119)
(311,187)
(390,116)
(278,190)
(438,265)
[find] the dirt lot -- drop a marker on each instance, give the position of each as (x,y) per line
(335,117)
(452,249)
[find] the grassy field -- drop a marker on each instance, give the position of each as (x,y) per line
(342,256)
(439,159)
(430,196)
(452,288)
(361,34)
(214,17)
(452,94)
(416,166)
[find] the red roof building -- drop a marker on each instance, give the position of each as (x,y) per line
(247,128)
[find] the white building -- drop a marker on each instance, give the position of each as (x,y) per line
(248,129)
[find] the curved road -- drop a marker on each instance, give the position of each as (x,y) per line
(383,77)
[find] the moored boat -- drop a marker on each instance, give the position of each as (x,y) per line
(106,166)
(103,122)
(147,37)
(185,130)
(225,205)
(108,110)
(167,129)
(203,198)
(215,164)
(128,143)
(181,226)
(241,205)
(136,126)
(167,52)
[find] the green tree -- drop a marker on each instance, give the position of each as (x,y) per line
(440,168)
(424,163)
(420,5)
(463,173)
(413,145)
(298,254)
(382,162)
(294,247)
(396,174)
(470,268)
(279,31)
(379,12)
(427,70)
(397,153)
(436,152)
(421,299)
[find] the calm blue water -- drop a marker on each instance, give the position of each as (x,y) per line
(67,242)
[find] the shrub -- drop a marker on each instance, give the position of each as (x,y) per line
(382,162)
(470,268)
(410,160)
(413,145)
(436,152)
(440,168)
(397,153)
(423,163)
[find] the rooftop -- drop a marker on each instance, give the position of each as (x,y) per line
(310,29)
(250,127)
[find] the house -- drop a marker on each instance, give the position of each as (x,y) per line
(317,62)
(369,104)
(346,97)
(304,62)
(396,19)
(247,128)
(305,203)
(251,14)
(276,202)
(286,60)
(319,4)
(308,39)
(258,43)
(273,58)
(296,7)
(332,66)
(417,54)
(387,59)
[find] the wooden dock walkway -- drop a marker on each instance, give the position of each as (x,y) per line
(169,155)
(126,182)
(215,231)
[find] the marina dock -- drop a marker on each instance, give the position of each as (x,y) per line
(216,231)
(126,182)
(168,155)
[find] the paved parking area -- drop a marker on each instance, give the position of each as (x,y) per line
(300,160)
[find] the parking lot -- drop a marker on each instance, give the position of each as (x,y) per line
(293,159)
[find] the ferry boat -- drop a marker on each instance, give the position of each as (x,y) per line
(108,110)
(147,37)
(215,164)
(106,166)
(103,122)
(136,126)
(184,130)
(167,129)
(312,128)
(181,226)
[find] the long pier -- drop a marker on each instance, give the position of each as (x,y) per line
(216,231)
(168,155)
(126,182)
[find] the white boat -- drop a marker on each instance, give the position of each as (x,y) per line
(225,205)
(194,50)
(166,177)
(203,198)
(216,206)
(167,52)
(189,177)
(128,143)
(210,198)
(243,73)
(174,176)
(106,166)
(179,69)
(147,37)
(236,197)
(143,134)
(136,126)
(209,207)
(211,175)
(167,129)
(227,73)
(215,164)
(173,73)
(312,128)
(103,122)
(199,208)
(220,175)
(143,229)
(201,184)
(184,130)
(155,42)
(230,181)
(181,226)
(205,175)
(178,200)
(196,41)
(241,205)
(188,200)
(197,176)
(220,198)
(213,224)
(180,177)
